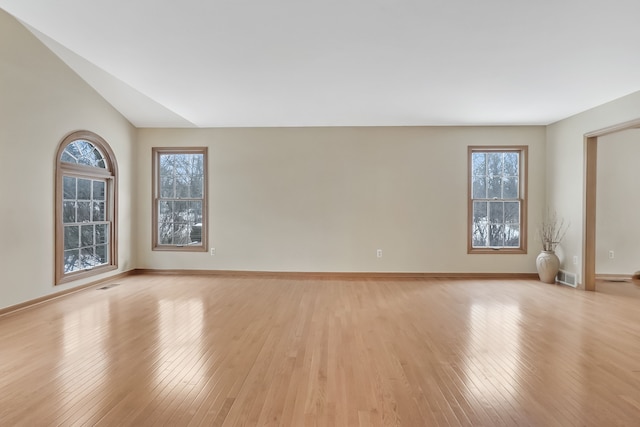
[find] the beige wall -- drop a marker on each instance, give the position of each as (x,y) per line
(299,199)
(41,101)
(565,167)
(324,199)
(618,203)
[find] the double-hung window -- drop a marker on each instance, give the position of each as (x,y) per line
(86,200)
(179,199)
(497,199)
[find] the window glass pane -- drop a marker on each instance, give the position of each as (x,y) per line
(480,211)
(181,164)
(182,186)
(165,233)
(198,164)
(510,187)
(101,254)
(196,186)
(86,235)
(195,235)
(102,233)
(73,152)
(84,212)
(480,224)
(69,187)
(478,164)
(97,156)
(89,155)
(494,189)
(512,235)
(98,211)
(71,237)
(195,212)
(87,258)
(494,161)
(180,210)
(479,187)
(165,210)
(181,233)
(166,164)
(86,152)
(71,260)
(84,189)
(68,212)
(480,233)
(195,222)
(496,235)
(165,222)
(167,186)
(511,163)
(496,212)
(512,212)
(98,190)
(66,157)
(180,226)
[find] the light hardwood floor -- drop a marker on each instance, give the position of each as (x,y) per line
(211,351)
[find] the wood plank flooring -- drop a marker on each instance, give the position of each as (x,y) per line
(239,351)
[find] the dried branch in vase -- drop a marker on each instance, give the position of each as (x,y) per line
(552,231)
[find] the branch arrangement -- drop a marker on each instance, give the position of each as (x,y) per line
(552,231)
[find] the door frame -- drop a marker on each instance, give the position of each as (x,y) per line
(590,184)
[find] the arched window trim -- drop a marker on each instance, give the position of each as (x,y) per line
(110,173)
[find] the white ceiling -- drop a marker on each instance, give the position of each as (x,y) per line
(245,63)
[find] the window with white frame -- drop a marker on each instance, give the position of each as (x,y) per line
(497,199)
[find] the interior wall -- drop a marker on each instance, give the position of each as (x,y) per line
(304,199)
(565,157)
(325,199)
(41,101)
(618,203)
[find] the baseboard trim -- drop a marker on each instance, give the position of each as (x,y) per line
(340,275)
(614,277)
(36,301)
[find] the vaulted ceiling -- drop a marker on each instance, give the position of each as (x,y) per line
(246,63)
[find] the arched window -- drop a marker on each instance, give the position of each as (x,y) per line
(86,200)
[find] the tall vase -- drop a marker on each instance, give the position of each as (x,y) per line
(548,265)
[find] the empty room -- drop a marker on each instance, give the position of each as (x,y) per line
(319,213)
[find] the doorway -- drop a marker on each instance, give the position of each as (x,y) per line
(590,185)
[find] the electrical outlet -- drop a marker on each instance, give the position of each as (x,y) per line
(612,255)
(575,260)
(379,253)
(213,251)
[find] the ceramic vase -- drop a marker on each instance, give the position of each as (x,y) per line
(548,265)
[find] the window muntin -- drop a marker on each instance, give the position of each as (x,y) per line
(179,199)
(85,207)
(496,199)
